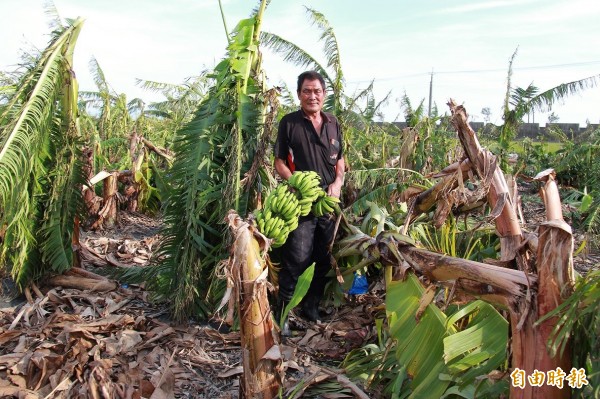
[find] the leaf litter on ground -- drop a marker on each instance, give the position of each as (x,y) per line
(111,341)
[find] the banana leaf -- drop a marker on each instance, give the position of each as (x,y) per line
(431,354)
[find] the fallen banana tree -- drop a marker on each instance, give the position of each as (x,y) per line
(532,277)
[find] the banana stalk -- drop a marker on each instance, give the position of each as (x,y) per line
(261,357)
(553,263)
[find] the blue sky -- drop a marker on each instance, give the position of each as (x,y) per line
(467,45)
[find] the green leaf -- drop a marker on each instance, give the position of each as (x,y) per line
(480,347)
(586,202)
(299,292)
(39,168)
(419,345)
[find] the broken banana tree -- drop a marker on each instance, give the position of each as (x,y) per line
(537,271)
(247,291)
(551,261)
(532,277)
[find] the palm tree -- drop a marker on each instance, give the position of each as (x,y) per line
(40,165)
(331,71)
(519,102)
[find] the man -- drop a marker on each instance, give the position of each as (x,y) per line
(309,139)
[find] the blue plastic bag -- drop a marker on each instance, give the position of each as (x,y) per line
(360,285)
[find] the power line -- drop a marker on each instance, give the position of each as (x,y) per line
(476,71)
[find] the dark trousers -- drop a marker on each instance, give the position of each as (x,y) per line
(307,244)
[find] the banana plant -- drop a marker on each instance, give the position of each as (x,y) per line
(178,108)
(579,320)
(40,164)
(519,102)
(115,121)
(215,170)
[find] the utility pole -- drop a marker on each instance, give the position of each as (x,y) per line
(430,93)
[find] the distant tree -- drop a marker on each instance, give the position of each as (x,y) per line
(553,118)
(519,102)
(487,113)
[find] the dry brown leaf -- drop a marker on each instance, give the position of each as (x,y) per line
(43,364)
(17,392)
(273,353)
(6,336)
(124,256)
(166,386)
(18,380)
(426,299)
(146,388)
(128,339)
(231,372)
(19,362)
(113,261)
(114,306)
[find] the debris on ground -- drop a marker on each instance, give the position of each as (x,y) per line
(109,340)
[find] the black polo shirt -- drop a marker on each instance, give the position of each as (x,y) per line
(299,145)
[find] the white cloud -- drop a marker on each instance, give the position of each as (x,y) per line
(397,44)
(480,6)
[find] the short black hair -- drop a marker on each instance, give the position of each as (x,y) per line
(310,75)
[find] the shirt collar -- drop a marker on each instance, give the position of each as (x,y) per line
(323,115)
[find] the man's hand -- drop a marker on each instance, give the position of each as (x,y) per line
(335,189)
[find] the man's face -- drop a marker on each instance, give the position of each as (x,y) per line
(311,96)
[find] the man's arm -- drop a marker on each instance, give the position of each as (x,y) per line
(335,188)
(282,169)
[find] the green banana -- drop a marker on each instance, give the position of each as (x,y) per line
(283,206)
(276,228)
(305,201)
(292,224)
(303,185)
(313,193)
(300,180)
(268,213)
(316,209)
(305,209)
(326,207)
(274,201)
(330,199)
(267,203)
(268,227)
(288,211)
(282,202)
(282,235)
(292,181)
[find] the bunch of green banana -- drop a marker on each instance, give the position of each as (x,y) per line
(326,204)
(279,215)
(308,189)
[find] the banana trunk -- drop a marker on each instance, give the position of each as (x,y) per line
(553,263)
(261,357)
